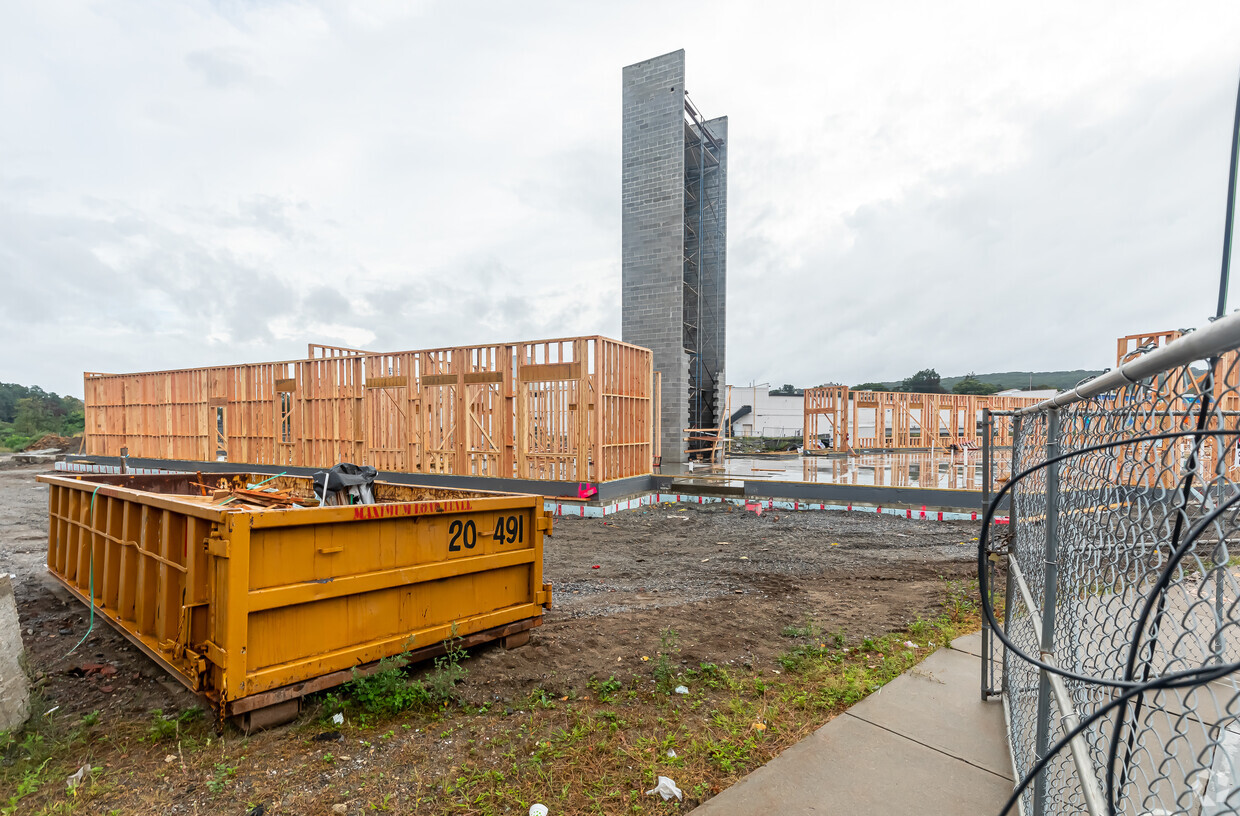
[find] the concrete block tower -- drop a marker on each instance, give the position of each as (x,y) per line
(674,245)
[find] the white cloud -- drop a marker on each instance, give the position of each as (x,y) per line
(962,185)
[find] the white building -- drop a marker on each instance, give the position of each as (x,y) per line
(1039,394)
(754,412)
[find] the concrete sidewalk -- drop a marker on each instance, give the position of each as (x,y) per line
(925,743)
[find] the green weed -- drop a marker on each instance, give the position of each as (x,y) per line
(605,690)
(809,629)
(540,698)
(168,726)
(664,669)
(224,773)
(389,691)
(386,691)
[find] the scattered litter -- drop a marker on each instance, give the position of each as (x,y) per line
(759,726)
(645,658)
(48,713)
(744,558)
(722,544)
(667,789)
(79,777)
(775,671)
(682,689)
(910,644)
(671,753)
(835,543)
(680,518)
(740,592)
(537,809)
(596,566)
(170,758)
(338,719)
(704,560)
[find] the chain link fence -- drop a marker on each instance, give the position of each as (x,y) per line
(1121,622)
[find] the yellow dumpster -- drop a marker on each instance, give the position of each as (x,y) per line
(253,607)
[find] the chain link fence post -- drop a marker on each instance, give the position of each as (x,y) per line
(987,480)
(1013,531)
(1050,592)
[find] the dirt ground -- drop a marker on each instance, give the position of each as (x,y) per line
(725,579)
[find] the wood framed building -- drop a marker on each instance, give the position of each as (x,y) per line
(569,409)
(892,420)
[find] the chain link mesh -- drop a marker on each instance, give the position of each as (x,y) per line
(1122,511)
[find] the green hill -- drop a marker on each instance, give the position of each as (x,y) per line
(1021,379)
(1059,380)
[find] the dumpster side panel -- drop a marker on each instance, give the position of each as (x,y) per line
(390,620)
(141,567)
(330,596)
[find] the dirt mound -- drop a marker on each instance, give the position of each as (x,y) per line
(63,444)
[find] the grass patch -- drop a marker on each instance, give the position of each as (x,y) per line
(600,756)
(43,754)
(409,744)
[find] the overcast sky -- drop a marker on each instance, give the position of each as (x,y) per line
(986,186)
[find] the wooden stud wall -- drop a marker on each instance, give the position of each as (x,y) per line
(899,421)
(1174,413)
(573,409)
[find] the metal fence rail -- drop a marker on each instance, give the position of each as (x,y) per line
(1122,612)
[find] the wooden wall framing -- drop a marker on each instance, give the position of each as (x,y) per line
(899,421)
(570,409)
(1159,462)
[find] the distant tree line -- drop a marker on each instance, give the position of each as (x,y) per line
(928,381)
(29,412)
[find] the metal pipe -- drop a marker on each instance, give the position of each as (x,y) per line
(1213,339)
(1225,276)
